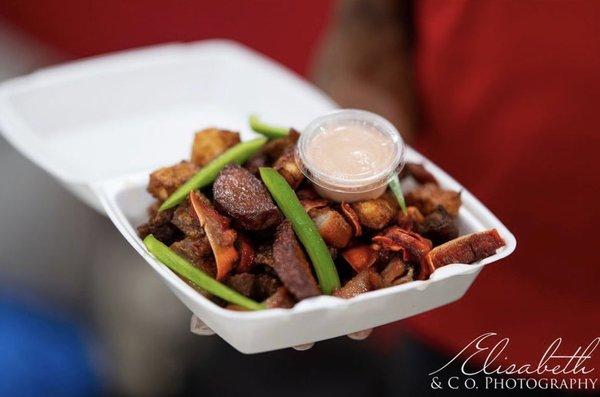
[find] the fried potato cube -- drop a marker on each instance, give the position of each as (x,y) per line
(332,226)
(210,143)
(164,181)
(376,213)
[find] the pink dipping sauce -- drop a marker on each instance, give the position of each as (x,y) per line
(350,155)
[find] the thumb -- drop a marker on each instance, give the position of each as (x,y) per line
(360,335)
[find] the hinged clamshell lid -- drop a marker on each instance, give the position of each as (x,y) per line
(107,116)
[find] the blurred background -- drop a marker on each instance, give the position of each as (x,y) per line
(503,95)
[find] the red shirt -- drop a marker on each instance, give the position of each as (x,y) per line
(510,98)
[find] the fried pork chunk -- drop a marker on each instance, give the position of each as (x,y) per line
(186,220)
(245,199)
(198,252)
(258,287)
(419,173)
(287,167)
(160,226)
(264,255)
(411,220)
(291,264)
(280,299)
(429,196)
(255,162)
(276,147)
(466,249)
(210,143)
(438,226)
(164,181)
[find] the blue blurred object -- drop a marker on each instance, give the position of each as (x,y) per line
(42,353)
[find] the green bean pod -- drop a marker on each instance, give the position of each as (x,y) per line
(238,154)
(270,131)
(305,229)
(185,269)
(397,190)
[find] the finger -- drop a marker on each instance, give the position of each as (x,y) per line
(360,335)
(303,347)
(199,328)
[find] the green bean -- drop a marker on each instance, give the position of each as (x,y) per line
(238,154)
(185,269)
(397,190)
(270,131)
(305,229)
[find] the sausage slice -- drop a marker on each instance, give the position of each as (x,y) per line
(245,199)
(291,265)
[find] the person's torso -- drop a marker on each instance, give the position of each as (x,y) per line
(509,93)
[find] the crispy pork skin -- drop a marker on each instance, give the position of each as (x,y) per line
(244,198)
(365,281)
(220,236)
(411,245)
(466,249)
(429,196)
(360,257)
(396,272)
(352,217)
(210,143)
(164,181)
(291,264)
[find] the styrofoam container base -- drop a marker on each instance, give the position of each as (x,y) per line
(101,125)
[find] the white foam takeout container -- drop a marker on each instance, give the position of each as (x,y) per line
(99,126)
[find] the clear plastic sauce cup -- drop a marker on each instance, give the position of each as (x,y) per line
(350,155)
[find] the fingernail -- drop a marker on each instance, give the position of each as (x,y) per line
(360,335)
(199,328)
(306,346)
